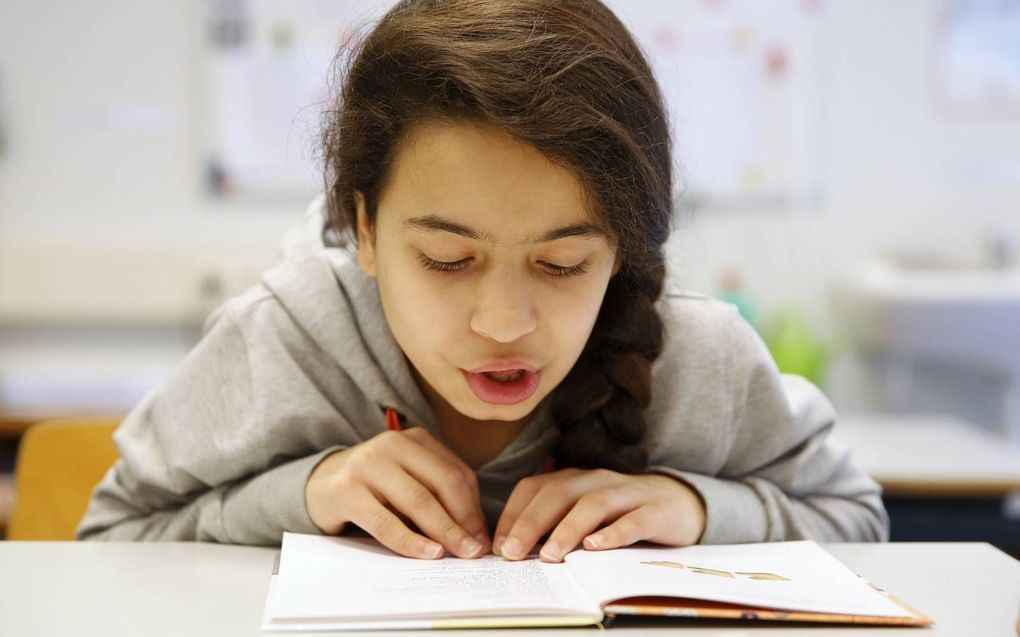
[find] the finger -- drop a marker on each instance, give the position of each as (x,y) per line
(592,510)
(521,495)
(553,500)
(425,438)
(414,499)
(456,488)
(385,526)
(633,527)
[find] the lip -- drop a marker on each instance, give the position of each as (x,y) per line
(504,365)
(497,393)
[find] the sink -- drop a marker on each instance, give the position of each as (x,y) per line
(966,316)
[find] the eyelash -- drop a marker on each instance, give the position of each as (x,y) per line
(455,266)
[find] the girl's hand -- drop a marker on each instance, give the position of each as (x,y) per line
(574,503)
(399,474)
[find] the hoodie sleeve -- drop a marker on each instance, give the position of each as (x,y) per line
(195,463)
(782,477)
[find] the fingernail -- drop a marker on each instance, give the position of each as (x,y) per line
(512,549)
(593,542)
(432,551)
(551,551)
(470,547)
(481,538)
(497,544)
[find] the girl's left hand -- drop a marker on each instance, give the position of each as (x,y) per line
(575,503)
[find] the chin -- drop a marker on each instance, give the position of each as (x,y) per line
(481,410)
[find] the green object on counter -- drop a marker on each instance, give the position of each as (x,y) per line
(795,347)
(742,303)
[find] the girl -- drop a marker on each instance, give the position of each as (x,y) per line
(467,347)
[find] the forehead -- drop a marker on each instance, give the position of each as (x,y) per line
(481,177)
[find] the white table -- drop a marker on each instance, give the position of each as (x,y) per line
(152,589)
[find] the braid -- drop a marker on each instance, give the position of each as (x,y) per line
(598,406)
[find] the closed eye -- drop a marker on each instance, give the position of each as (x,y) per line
(455,266)
(560,270)
(443,266)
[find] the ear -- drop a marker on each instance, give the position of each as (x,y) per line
(617,264)
(366,237)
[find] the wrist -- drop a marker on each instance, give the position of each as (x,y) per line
(688,501)
(319,495)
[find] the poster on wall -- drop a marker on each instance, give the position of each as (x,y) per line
(978,56)
(741,81)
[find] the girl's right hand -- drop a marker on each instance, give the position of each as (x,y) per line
(396,473)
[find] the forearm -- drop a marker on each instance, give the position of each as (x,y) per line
(757,510)
(253,511)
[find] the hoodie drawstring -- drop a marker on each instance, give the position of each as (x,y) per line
(392,420)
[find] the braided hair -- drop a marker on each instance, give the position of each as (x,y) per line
(566,77)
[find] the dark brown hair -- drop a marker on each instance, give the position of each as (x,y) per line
(566,77)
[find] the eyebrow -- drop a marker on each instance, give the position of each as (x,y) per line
(435,223)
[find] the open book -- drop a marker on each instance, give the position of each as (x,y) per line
(339,583)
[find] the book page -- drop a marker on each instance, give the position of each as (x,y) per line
(783,575)
(357,578)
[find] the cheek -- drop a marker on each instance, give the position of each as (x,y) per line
(571,316)
(576,312)
(421,311)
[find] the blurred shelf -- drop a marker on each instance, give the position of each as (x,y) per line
(81,371)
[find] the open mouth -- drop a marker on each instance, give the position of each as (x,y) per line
(505,387)
(507,376)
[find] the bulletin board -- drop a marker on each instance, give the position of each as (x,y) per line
(741,80)
(266,77)
(977,55)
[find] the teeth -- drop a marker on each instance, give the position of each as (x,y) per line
(505,377)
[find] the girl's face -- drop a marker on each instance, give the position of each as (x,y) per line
(485,253)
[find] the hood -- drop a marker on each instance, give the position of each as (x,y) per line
(311,235)
(331,300)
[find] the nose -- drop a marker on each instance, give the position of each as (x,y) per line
(505,311)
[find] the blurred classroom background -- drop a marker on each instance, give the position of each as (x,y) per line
(850,174)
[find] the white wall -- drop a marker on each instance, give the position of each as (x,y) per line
(102,215)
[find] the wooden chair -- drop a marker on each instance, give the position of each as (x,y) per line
(58,465)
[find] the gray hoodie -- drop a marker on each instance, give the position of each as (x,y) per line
(304,364)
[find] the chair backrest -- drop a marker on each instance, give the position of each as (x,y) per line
(59,464)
